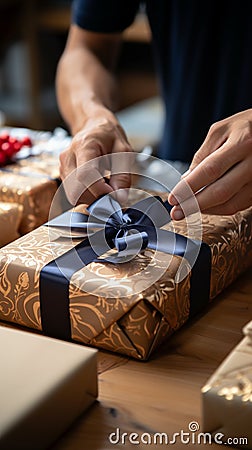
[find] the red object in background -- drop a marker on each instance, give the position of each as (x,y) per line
(4,137)
(10,145)
(26,141)
(8,149)
(3,158)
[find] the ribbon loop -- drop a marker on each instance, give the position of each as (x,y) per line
(132,239)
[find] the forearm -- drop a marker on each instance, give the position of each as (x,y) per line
(85,84)
(86,93)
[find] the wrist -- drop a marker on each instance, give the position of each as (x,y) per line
(89,110)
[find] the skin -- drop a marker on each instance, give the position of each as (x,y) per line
(86,93)
(220,174)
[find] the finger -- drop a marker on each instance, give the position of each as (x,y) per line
(226,187)
(85,183)
(190,206)
(215,138)
(218,193)
(92,181)
(180,193)
(122,161)
(67,163)
(71,185)
(240,201)
(208,171)
(121,167)
(89,197)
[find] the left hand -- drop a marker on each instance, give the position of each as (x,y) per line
(220,174)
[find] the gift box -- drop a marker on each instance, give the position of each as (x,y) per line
(34,192)
(10,218)
(33,179)
(45,385)
(59,285)
(227,396)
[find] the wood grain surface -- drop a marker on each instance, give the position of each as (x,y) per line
(163,394)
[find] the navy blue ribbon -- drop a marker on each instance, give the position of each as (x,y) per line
(129,232)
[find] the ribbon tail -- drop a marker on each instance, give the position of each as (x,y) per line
(54,289)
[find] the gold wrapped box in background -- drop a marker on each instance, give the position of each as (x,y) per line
(10,218)
(32,183)
(138,319)
(34,178)
(227,396)
(35,194)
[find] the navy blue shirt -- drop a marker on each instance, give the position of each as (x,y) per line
(203,54)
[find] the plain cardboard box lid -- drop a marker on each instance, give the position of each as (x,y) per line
(44,385)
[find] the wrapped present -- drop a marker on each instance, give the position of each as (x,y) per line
(127,300)
(45,385)
(10,218)
(33,191)
(227,396)
(33,179)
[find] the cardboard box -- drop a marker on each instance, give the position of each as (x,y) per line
(227,396)
(45,384)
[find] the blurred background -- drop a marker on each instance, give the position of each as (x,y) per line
(33,36)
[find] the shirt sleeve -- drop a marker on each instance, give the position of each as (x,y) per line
(104,16)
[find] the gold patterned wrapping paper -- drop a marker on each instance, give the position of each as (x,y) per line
(230,240)
(10,218)
(31,183)
(130,323)
(227,396)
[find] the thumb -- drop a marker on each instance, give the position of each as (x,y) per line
(121,183)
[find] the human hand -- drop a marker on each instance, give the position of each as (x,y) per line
(81,169)
(220,174)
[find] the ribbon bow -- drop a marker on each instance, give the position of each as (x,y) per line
(131,231)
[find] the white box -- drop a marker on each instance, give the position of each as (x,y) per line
(45,384)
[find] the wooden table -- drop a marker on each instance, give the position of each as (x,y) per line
(163,394)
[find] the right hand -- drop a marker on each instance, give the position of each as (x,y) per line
(101,135)
(220,172)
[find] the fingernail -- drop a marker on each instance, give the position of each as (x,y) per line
(177,214)
(172,200)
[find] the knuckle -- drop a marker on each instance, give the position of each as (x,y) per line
(81,174)
(197,158)
(124,179)
(212,170)
(61,172)
(63,156)
(214,127)
(70,196)
(221,193)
